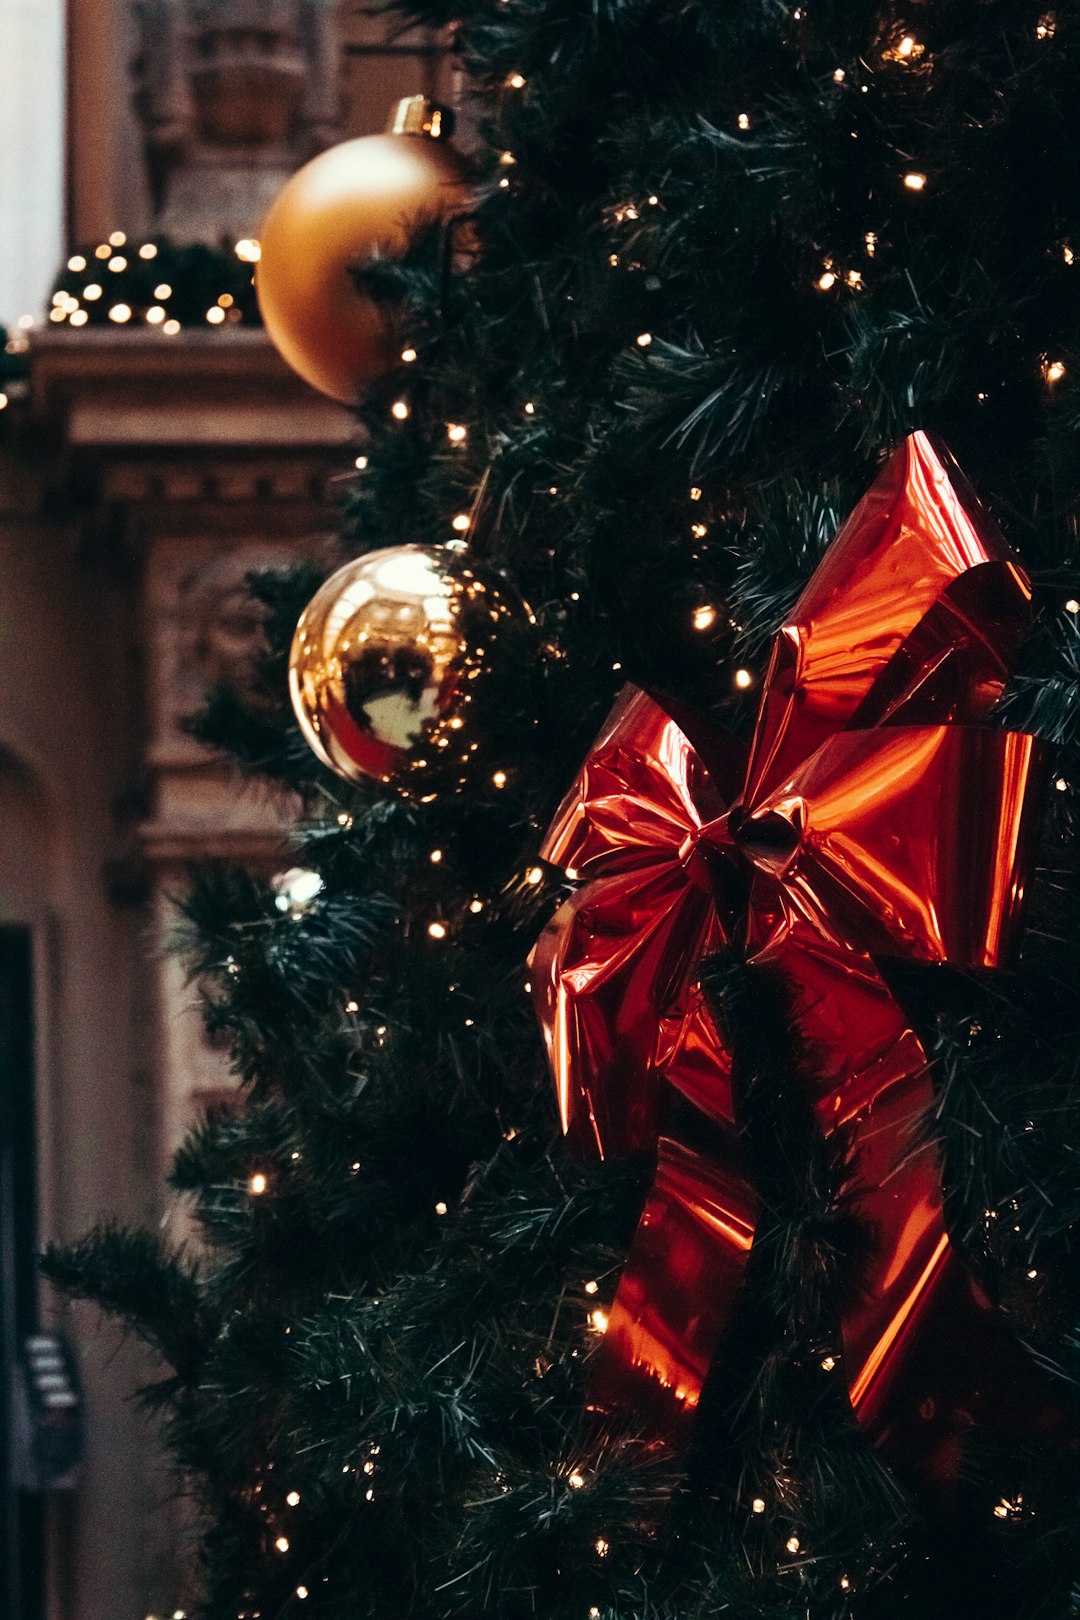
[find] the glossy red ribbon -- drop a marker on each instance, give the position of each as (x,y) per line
(873,818)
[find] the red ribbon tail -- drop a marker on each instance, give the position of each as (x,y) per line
(679,1285)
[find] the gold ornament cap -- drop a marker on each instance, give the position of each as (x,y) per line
(417,115)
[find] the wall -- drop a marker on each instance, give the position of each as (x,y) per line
(32,69)
(68,731)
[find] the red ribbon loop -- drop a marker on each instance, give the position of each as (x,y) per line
(876,819)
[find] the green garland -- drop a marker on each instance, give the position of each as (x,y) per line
(155,283)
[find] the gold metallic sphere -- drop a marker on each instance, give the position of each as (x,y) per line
(392,657)
(362,199)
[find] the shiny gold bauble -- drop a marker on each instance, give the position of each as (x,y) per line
(392,666)
(362,199)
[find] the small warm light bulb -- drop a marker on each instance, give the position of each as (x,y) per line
(437,930)
(352,1006)
(592,1287)
(743,679)
(461,522)
(643,340)
(361,466)
(117,263)
(103,251)
(79,317)
(248,250)
(155,315)
(257,1184)
(599,1320)
(854,278)
(699,530)
(758,1505)
(399,410)
(744,121)
(534,874)
(456,432)
(171,328)
(476,906)
(839,76)
(914,180)
(148,250)
(293,1499)
(4,401)
(440,1208)
(117,239)
(301,1591)
(793,1544)
(828,1364)
(91,292)
(1046,26)
(576,1481)
(845,1584)
(703,618)
(1053,371)
(216,315)
(906,46)
(120,313)
(282,1544)
(695,493)
(163,290)
(499,779)
(76,262)
(601,1546)
(436,856)
(530,408)
(1072,605)
(826,280)
(871,243)
(408,355)
(516,81)
(226,300)
(1061,785)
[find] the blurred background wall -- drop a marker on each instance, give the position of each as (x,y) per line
(141,477)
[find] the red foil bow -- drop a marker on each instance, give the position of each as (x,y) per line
(873,818)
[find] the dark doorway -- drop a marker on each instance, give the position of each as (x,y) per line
(21,1537)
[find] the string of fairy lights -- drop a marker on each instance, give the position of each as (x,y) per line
(767,1503)
(902,49)
(153,283)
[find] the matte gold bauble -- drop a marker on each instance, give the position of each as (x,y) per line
(392,666)
(362,199)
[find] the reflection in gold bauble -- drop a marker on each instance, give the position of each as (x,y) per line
(362,199)
(388,664)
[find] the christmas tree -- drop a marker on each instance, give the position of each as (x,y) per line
(724,259)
